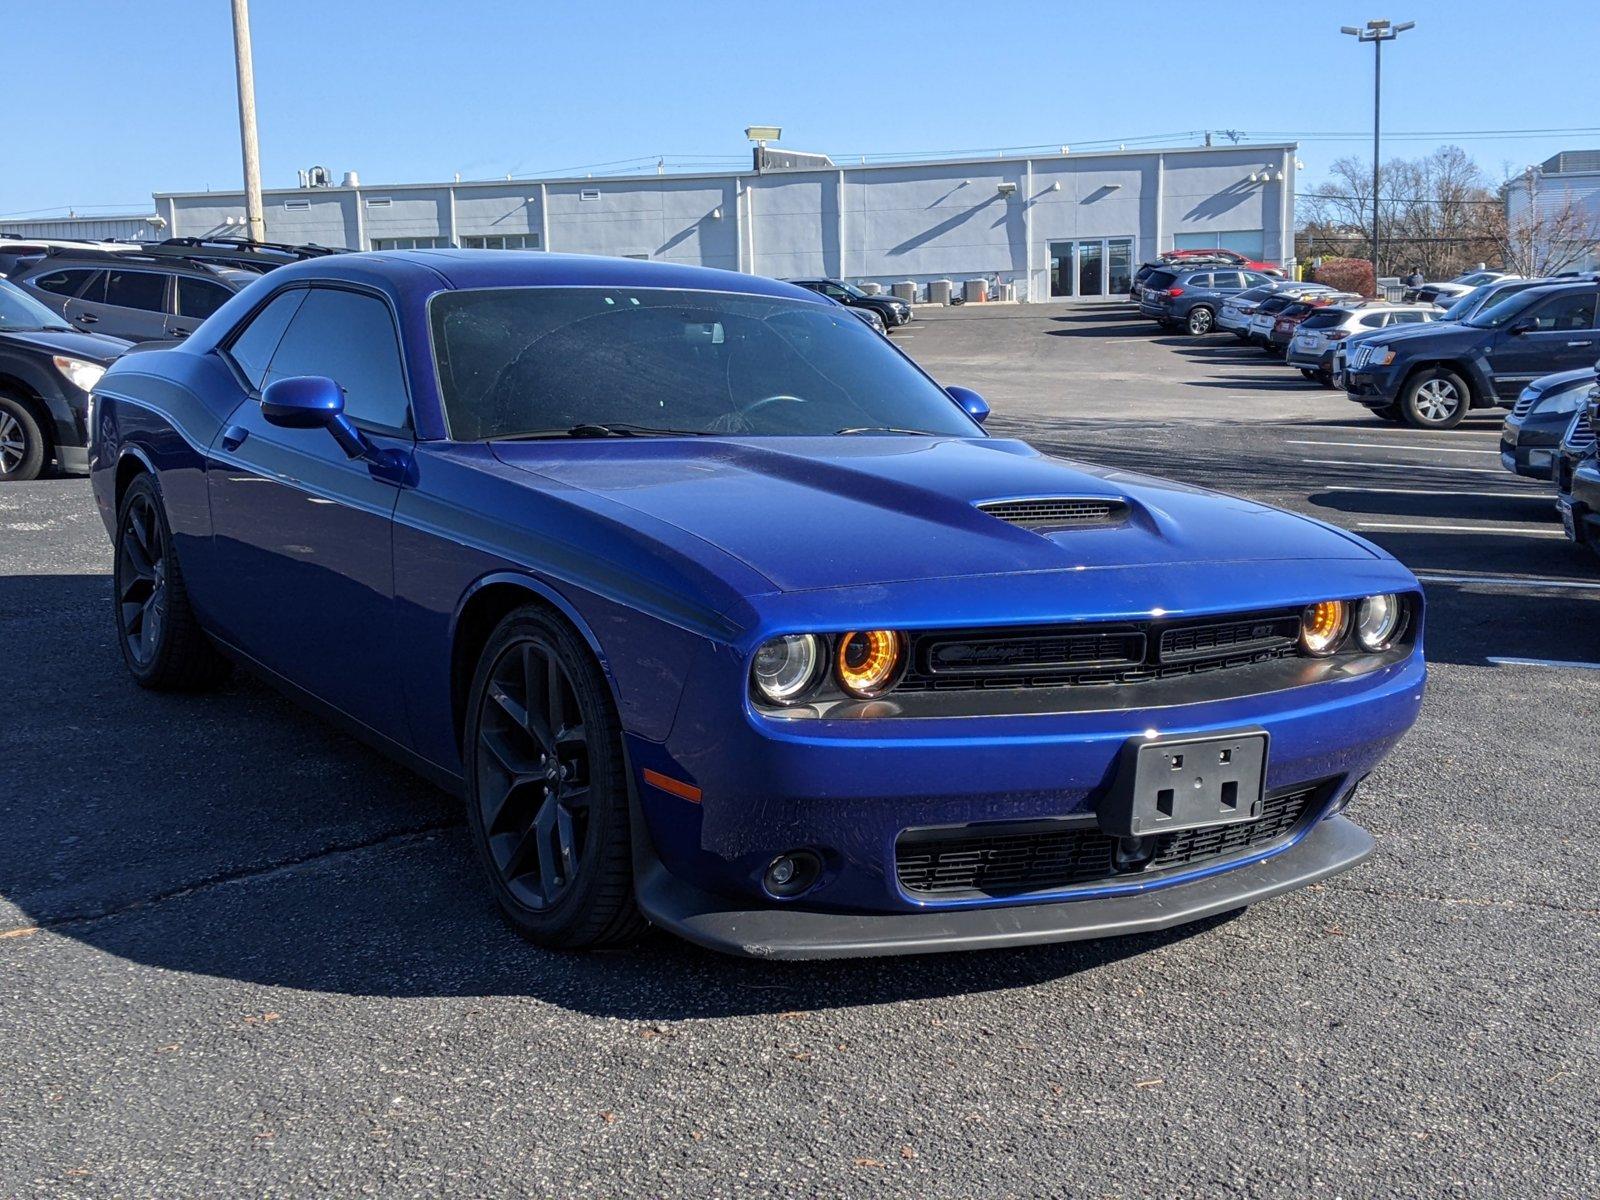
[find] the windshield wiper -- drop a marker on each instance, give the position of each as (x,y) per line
(596,429)
(883,429)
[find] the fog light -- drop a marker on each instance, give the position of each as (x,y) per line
(792,873)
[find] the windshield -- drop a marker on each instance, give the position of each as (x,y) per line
(854,290)
(18,310)
(1256,293)
(1497,315)
(547,361)
(1463,308)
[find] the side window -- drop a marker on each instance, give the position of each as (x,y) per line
(1376,320)
(199,298)
(350,338)
(1572,311)
(838,293)
(252,349)
(1405,318)
(146,290)
(62,283)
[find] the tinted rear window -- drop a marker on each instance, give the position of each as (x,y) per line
(1327,319)
(1160,279)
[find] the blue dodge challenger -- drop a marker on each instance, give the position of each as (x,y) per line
(722,615)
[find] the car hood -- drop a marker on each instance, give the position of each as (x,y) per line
(95,347)
(849,511)
(1446,332)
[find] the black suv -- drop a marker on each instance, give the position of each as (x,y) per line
(46,370)
(1431,375)
(138,296)
(892,309)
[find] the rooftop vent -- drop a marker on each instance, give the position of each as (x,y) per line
(1057,512)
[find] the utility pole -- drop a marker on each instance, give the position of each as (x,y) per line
(1377,32)
(255,221)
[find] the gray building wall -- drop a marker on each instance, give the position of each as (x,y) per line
(1564,191)
(994,217)
(130,227)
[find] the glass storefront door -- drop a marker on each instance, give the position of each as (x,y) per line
(1091,267)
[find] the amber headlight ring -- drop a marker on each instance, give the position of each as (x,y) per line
(868,662)
(1324,627)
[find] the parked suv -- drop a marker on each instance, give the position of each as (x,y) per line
(1577,453)
(1486,295)
(1191,296)
(242,253)
(892,309)
(1431,375)
(1311,347)
(1532,433)
(46,370)
(141,297)
(1454,289)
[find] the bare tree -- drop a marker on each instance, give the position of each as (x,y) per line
(1436,213)
(1545,235)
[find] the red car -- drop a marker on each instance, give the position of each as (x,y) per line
(1289,319)
(1216,253)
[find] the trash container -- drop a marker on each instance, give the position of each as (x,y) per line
(871,289)
(906,290)
(940,291)
(975,291)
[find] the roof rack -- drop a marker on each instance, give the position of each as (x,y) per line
(245,246)
(96,254)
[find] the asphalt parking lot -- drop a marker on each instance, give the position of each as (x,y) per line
(241,954)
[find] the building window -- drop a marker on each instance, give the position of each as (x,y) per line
(1249,242)
(500,241)
(409,243)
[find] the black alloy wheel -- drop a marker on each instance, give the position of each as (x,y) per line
(547,797)
(22,445)
(161,640)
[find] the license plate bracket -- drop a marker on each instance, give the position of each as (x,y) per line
(1167,784)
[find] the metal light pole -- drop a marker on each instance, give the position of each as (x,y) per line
(1377,32)
(255,221)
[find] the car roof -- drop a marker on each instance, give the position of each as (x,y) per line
(497,268)
(61,258)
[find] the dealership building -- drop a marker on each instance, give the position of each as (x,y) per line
(1048,226)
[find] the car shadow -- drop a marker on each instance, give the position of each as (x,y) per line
(230,834)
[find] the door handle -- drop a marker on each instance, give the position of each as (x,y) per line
(182,332)
(1583,343)
(86,318)
(233,437)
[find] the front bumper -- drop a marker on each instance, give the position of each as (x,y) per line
(1530,451)
(1378,388)
(1330,846)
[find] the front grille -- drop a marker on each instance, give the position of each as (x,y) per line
(1525,403)
(1010,860)
(1094,654)
(1579,436)
(1044,512)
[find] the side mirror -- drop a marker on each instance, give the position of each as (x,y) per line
(314,402)
(1521,326)
(974,405)
(302,402)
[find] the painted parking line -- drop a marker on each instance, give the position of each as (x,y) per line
(1383,491)
(1346,462)
(1512,530)
(1515,583)
(1389,446)
(1500,661)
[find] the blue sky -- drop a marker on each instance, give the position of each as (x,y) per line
(135,98)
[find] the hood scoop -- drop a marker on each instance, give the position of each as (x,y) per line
(1046,514)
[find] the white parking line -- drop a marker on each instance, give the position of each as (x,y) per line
(1345,462)
(1390,446)
(1514,583)
(1381,491)
(1514,530)
(1543,662)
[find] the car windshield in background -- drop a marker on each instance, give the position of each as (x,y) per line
(1256,293)
(854,291)
(537,362)
(1464,306)
(18,310)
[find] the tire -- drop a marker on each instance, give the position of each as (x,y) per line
(1426,401)
(1389,412)
(1307,373)
(1325,378)
(161,641)
(547,792)
(1201,321)
(23,447)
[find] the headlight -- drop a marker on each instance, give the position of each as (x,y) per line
(1383,358)
(1323,625)
(786,666)
(82,375)
(868,662)
(1378,621)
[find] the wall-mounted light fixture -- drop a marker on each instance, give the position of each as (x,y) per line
(716,213)
(1006,189)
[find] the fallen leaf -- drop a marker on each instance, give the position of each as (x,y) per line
(907,1153)
(699,1135)
(610,1118)
(20,932)
(1148,1083)
(868,1162)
